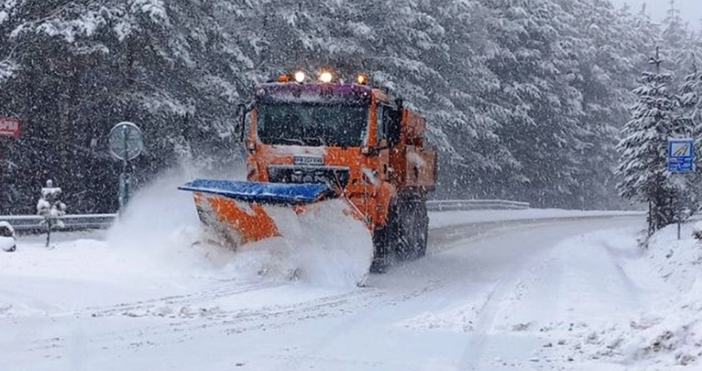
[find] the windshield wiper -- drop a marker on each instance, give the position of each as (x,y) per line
(315,141)
(290,141)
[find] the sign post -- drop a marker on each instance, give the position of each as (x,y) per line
(126,143)
(10,127)
(681,159)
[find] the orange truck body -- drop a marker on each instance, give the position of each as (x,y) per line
(408,167)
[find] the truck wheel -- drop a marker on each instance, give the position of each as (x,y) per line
(407,235)
(416,229)
(381,256)
(385,241)
(422,231)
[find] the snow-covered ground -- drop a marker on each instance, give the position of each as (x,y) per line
(488,303)
(577,294)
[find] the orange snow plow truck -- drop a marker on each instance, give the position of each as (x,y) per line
(310,140)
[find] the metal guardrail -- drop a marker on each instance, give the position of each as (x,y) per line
(466,205)
(33,223)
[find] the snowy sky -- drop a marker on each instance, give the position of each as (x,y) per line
(691,10)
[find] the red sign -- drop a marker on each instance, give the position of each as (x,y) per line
(9,127)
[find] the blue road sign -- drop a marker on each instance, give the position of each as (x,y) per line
(681,155)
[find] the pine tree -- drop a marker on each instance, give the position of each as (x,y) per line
(644,147)
(690,98)
(675,36)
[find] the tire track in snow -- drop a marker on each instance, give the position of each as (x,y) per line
(352,304)
(479,338)
(229,322)
(304,356)
(144,307)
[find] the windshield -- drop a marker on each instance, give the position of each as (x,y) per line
(312,124)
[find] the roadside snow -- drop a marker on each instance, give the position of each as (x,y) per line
(666,334)
(590,280)
(595,301)
(7,244)
(155,250)
(7,237)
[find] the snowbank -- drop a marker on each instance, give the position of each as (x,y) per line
(668,333)
(7,237)
(595,301)
(671,335)
(7,244)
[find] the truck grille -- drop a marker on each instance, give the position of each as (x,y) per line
(332,175)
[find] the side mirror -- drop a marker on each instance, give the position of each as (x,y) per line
(241,112)
(394,129)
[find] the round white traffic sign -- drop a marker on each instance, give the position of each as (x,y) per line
(126,141)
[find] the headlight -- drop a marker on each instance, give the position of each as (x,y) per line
(299,76)
(326,77)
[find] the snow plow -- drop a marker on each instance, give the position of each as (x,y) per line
(313,140)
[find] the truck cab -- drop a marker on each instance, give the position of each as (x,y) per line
(352,136)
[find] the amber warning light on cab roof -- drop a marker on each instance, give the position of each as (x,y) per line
(324,76)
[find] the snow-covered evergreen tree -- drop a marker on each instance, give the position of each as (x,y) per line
(690,98)
(51,208)
(643,166)
(675,38)
(600,73)
(524,98)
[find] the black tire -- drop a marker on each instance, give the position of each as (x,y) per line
(422,230)
(385,241)
(381,255)
(405,235)
(415,229)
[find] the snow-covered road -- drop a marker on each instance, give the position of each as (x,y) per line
(515,297)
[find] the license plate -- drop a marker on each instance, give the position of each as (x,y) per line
(309,160)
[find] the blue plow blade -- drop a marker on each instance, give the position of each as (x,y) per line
(270,193)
